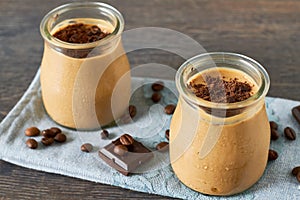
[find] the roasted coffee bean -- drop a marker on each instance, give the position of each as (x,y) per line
(298,177)
(169,109)
(273,125)
(32,131)
(120,149)
(60,137)
(48,133)
(296,170)
(167,134)
(87,147)
(296,113)
(289,133)
(126,140)
(163,146)
(157,86)
(274,134)
(47,141)
(104,134)
(55,130)
(273,155)
(156,97)
(132,111)
(32,143)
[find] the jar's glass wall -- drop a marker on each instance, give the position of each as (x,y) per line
(220,148)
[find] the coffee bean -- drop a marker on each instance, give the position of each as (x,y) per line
(163,146)
(32,143)
(126,140)
(167,134)
(120,149)
(157,86)
(274,134)
(132,111)
(87,147)
(273,155)
(296,170)
(290,133)
(47,141)
(104,134)
(60,137)
(48,133)
(296,113)
(55,130)
(298,177)
(169,109)
(273,125)
(156,97)
(32,131)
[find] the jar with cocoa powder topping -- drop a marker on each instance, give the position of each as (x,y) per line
(85,73)
(220,134)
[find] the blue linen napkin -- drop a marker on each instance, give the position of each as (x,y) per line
(149,126)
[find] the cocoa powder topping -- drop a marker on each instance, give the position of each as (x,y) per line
(219,90)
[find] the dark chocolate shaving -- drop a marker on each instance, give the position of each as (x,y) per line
(220,90)
(80,33)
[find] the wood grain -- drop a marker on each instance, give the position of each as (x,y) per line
(265,30)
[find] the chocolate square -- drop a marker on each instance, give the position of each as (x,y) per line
(137,155)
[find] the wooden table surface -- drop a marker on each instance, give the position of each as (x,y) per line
(268,31)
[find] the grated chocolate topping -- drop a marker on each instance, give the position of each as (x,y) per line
(219,90)
(80,33)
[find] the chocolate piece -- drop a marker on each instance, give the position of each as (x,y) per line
(137,155)
(157,86)
(296,113)
(120,149)
(32,132)
(289,133)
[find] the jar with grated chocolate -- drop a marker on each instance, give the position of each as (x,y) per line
(220,134)
(84,66)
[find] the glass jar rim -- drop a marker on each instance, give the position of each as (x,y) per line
(69,6)
(186,93)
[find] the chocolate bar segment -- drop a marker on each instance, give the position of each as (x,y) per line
(137,155)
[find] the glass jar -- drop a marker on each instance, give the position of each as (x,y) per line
(220,148)
(79,81)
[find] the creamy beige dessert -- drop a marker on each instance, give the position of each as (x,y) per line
(85,92)
(219,155)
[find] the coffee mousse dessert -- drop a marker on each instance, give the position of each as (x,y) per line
(85,75)
(214,150)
